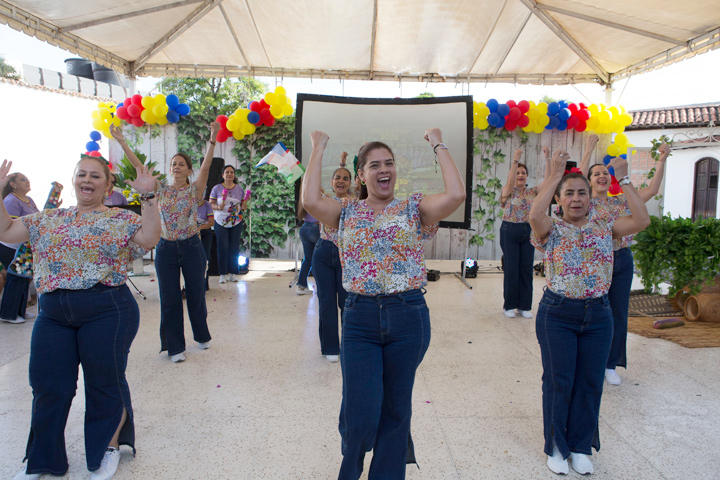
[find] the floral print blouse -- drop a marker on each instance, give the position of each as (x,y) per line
(516,208)
(178,211)
(615,207)
(578,260)
(328,233)
(74,252)
(383,255)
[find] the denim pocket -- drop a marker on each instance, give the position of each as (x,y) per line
(415,300)
(549,301)
(350,302)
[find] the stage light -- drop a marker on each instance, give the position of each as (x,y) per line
(243,264)
(471,268)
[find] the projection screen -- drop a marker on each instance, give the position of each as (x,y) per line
(401,124)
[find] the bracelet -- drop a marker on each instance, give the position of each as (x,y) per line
(144,197)
(439,145)
(213,142)
(625,180)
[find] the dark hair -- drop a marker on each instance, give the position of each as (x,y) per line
(523,166)
(564,180)
(8,189)
(188,162)
(222,174)
(362,159)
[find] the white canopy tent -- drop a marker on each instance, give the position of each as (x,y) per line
(509,41)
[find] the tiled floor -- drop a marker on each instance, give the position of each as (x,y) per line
(262,403)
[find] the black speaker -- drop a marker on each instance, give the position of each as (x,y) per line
(433,275)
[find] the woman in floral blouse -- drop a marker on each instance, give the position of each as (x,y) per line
(623,268)
(386,323)
(87,316)
(518,255)
(574,321)
(180,249)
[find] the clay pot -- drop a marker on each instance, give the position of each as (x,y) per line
(683,294)
(704,307)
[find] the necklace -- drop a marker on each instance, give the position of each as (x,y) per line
(20,198)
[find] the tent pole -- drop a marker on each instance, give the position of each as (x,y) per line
(608,94)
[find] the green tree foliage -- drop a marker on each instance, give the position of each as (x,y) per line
(426,95)
(7,70)
(208,98)
(272,206)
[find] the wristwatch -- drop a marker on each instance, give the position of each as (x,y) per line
(625,181)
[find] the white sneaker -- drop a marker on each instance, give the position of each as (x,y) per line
(300,290)
(332,358)
(17,320)
(108,466)
(21,475)
(204,345)
(509,313)
(612,377)
(233,278)
(223,279)
(557,464)
(180,357)
(30,315)
(581,463)
(525,313)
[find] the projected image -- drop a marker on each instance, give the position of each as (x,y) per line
(401,124)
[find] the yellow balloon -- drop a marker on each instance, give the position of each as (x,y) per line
(621,139)
(270,98)
(528,128)
(593,123)
(107,133)
(482,124)
(247,128)
(112,107)
(116,122)
(613,150)
(160,99)
(604,116)
(484,111)
(614,111)
(281,99)
(542,107)
(95,114)
(98,124)
(280,90)
(594,109)
(148,102)
(533,114)
(532,104)
(539,129)
(232,124)
(543,121)
(238,135)
(625,119)
(287,110)
(160,110)
(162,120)
(614,126)
(276,111)
(104,113)
(148,117)
(101,105)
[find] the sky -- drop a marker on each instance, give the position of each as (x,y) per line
(688,82)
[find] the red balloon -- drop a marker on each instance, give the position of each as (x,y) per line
(583,114)
(572,122)
(223,135)
(137,100)
(95,153)
(269,122)
(524,106)
(265,114)
(133,111)
(514,114)
(523,121)
(581,126)
(511,103)
(582,105)
(121,113)
(137,121)
(222,120)
(255,106)
(264,104)
(615,189)
(511,124)
(573,108)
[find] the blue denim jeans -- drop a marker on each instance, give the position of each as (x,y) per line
(206,237)
(309,235)
(384,339)
(619,296)
(95,328)
(331,294)
(188,257)
(228,248)
(15,294)
(574,337)
(518,255)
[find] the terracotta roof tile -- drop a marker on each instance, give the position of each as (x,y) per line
(675,117)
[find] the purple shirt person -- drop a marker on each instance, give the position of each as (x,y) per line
(115,199)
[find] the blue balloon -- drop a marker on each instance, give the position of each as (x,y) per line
(182,109)
(172,101)
(564,114)
(611,171)
(562,125)
(172,116)
(606,159)
(624,156)
(92,146)
(501,122)
(503,110)
(563,104)
(253,117)
(492,104)
(548,127)
(553,109)
(493,119)
(95,135)
(554,121)
(120,105)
